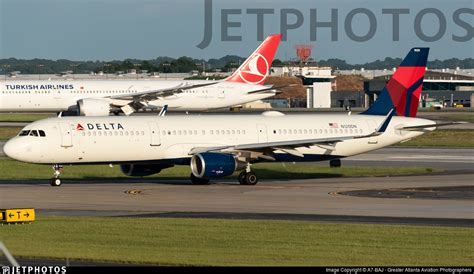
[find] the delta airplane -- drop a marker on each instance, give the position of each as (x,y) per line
(102,97)
(216,146)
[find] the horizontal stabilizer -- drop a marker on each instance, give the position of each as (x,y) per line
(437,125)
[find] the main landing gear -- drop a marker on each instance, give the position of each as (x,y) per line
(56,181)
(335,163)
(248,177)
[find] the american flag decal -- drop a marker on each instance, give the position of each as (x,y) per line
(333,125)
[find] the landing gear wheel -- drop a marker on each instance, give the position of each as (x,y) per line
(335,163)
(251,178)
(199,181)
(55,182)
(242,178)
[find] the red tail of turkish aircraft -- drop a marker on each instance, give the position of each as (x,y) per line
(256,68)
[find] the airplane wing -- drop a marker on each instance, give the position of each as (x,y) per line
(275,89)
(275,145)
(141,99)
(265,150)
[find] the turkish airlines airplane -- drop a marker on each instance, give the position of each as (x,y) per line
(216,146)
(101,97)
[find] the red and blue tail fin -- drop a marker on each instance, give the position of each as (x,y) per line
(403,90)
(256,68)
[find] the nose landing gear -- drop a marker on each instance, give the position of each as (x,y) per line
(56,181)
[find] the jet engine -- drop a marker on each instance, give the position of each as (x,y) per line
(93,107)
(142,170)
(214,165)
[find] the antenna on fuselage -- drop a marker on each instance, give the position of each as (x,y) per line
(60,114)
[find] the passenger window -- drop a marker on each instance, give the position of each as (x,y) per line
(100,133)
(195,132)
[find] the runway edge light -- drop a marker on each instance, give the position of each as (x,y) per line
(17,215)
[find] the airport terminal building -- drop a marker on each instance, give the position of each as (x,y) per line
(439,89)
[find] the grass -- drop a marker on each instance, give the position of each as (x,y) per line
(465,117)
(9,132)
(443,138)
(171,241)
(13,170)
(23,117)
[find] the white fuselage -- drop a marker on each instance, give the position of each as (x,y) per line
(79,140)
(43,96)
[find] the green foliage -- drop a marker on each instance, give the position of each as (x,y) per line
(171,241)
(13,170)
(186,64)
(443,138)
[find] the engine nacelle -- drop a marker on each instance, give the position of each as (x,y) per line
(214,165)
(142,170)
(93,107)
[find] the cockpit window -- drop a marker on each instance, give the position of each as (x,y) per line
(34,133)
(24,133)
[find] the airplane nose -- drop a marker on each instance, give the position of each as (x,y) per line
(9,149)
(14,149)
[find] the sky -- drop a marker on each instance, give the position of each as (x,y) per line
(107,30)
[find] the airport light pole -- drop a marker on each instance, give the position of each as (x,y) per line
(40,66)
(5,68)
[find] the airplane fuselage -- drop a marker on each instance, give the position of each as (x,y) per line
(46,96)
(81,140)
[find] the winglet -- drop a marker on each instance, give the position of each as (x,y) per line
(386,122)
(163,111)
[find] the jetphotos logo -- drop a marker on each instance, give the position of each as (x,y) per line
(255,69)
(98,126)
